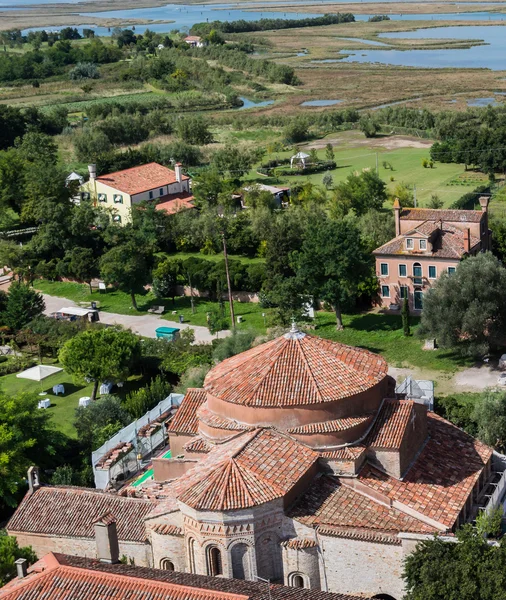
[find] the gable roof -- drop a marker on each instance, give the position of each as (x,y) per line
(439,482)
(390,425)
(336,507)
(72,511)
(445,214)
(60,577)
(249,470)
(173,203)
(140,179)
(295,369)
(185,420)
(449,242)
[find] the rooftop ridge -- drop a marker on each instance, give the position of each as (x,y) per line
(309,370)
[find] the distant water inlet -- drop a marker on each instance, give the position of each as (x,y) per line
(246,103)
(321,102)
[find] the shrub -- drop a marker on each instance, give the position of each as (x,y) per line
(84,70)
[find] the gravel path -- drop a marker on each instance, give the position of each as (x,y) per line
(144,325)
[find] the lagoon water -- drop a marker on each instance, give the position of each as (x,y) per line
(489,56)
(321,102)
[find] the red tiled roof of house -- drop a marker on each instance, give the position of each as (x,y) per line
(346,453)
(330,426)
(198,444)
(71,512)
(442,214)
(330,503)
(62,577)
(173,203)
(441,479)
(251,469)
(390,425)
(295,370)
(114,454)
(448,243)
(164,529)
(140,179)
(213,420)
(186,420)
(192,38)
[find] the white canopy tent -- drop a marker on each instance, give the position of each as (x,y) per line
(39,372)
(299,158)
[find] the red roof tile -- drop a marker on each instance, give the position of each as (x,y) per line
(62,577)
(71,512)
(295,370)
(140,179)
(330,426)
(299,543)
(441,479)
(329,503)
(391,424)
(213,420)
(251,469)
(445,214)
(198,444)
(346,453)
(186,420)
(174,203)
(164,529)
(362,535)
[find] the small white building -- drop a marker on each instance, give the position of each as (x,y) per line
(195,41)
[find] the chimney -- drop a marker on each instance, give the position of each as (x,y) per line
(467,240)
(106,539)
(33,479)
(92,169)
(397,213)
(179,172)
(21,567)
(483,200)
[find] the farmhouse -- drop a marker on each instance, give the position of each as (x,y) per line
(121,190)
(428,242)
(296,463)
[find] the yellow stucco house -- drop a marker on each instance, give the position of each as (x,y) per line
(119,191)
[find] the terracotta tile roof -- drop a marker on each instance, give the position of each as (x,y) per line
(192,38)
(173,203)
(62,577)
(441,479)
(198,444)
(214,420)
(292,371)
(114,454)
(329,503)
(448,243)
(330,426)
(445,214)
(71,512)
(391,424)
(346,453)
(140,179)
(186,420)
(164,529)
(362,535)
(299,543)
(251,469)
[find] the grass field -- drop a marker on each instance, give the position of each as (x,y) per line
(62,407)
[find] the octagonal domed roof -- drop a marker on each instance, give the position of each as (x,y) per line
(295,370)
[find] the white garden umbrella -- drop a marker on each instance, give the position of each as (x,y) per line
(39,372)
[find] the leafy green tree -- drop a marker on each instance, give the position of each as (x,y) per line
(183,354)
(23,305)
(377,227)
(192,378)
(238,342)
(466,311)
(194,130)
(101,354)
(9,553)
(217,320)
(332,262)
(404,193)
(36,147)
(90,421)
(405,317)
(489,523)
(490,416)
(328,181)
(359,192)
(139,402)
(296,131)
(467,570)
(329,152)
(81,264)
(369,127)
(435,202)
(165,278)
(127,267)
(91,144)
(26,438)
(233,161)
(63,475)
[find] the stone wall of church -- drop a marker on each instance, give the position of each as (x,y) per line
(169,548)
(303,562)
(353,566)
(42,544)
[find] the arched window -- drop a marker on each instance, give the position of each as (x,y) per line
(214,563)
(297,581)
(191,555)
(383,597)
(166,564)
(417,273)
(240,558)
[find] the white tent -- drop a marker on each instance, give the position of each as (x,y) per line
(39,372)
(299,158)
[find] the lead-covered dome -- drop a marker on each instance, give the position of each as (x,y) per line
(295,370)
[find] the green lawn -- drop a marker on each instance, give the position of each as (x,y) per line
(214,257)
(62,408)
(443,180)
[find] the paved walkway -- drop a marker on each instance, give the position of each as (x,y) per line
(144,325)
